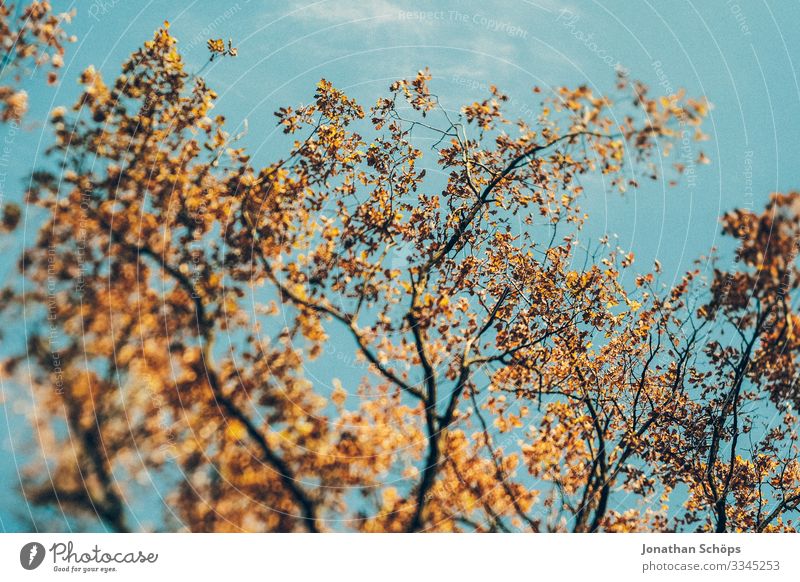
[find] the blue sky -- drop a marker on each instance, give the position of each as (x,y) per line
(737,55)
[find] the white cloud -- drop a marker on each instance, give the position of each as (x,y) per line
(347,10)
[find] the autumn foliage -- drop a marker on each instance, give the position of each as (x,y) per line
(373,334)
(31,36)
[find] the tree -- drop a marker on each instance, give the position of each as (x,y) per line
(183,293)
(29,36)
(735,437)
